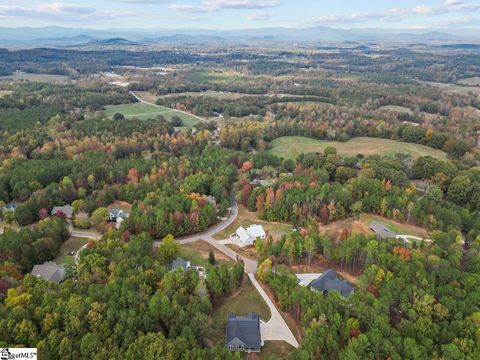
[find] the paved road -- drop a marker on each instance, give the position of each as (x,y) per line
(165,108)
(276,328)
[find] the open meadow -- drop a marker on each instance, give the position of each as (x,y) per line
(289,147)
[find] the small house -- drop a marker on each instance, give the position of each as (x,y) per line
(381,230)
(50,271)
(243,333)
(329,281)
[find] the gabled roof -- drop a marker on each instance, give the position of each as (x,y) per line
(180,263)
(50,271)
(244,328)
(329,281)
(256,231)
(381,230)
(243,235)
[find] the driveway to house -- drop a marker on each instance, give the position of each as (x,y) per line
(276,328)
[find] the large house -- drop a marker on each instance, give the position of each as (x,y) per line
(50,271)
(381,230)
(185,265)
(249,235)
(117,216)
(63,211)
(329,281)
(243,333)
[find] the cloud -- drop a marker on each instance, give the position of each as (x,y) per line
(59,12)
(453,2)
(398,14)
(255,16)
(208,6)
(143,1)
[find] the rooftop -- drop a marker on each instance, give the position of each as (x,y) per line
(244,328)
(329,281)
(50,271)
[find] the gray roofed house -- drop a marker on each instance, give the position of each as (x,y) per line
(243,333)
(180,263)
(67,210)
(329,281)
(50,271)
(381,230)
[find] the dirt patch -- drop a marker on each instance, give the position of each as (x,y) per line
(318,265)
(247,251)
(119,204)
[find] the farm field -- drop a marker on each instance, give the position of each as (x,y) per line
(289,147)
(244,300)
(395,108)
(246,218)
(5,93)
(48,78)
(145,111)
(454,88)
(72,244)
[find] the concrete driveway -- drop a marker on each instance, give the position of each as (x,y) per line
(276,328)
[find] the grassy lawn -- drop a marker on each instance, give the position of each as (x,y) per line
(395,108)
(72,244)
(48,78)
(246,218)
(197,254)
(289,147)
(279,349)
(145,111)
(243,301)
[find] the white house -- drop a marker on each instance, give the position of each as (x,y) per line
(249,235)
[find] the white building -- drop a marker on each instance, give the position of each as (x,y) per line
(249,235)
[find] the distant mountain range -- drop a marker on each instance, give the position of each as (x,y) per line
(67,37)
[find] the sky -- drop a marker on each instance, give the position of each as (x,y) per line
(242,14)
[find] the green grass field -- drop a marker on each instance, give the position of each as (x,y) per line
(72,244)
(145,111)
(395,108)
(246,300)
(289,147)
(48,78)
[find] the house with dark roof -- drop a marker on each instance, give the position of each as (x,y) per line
(381,230)
(185,265)
(243,333)
(50,271)
(329,281)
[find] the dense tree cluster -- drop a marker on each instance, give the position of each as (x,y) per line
(120,302)
(409,303)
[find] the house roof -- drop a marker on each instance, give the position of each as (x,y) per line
(243,235)
(256,231)
(381,230)
(244,328)
(66,209)
(180,263)
(329,281)
(50,271)
(119,213)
